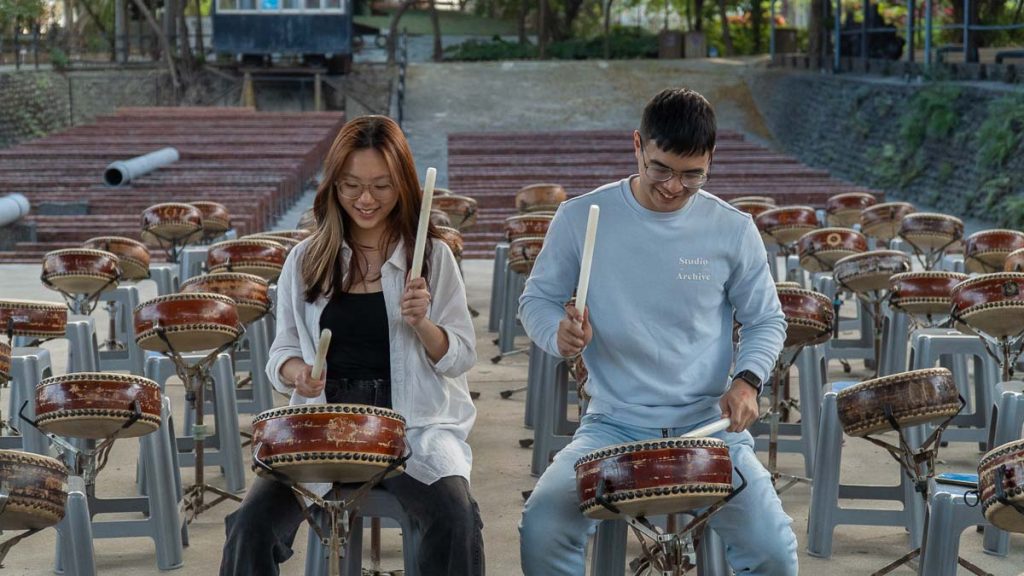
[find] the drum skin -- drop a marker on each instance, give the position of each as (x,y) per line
(755,199)
(786,224)
(540,198)
(844,209)
(991,303)
(192,322)
(916,397)
(1014,261)
(453,238)
(81,270)
(216,219)
(37,490)
(171,221)
(809,316)
(870,271)
(285,241)
(5,362)
(652,477)
(132,255)
(882,221)
(461,210)
(820,249)
(931,231)
(523,225)
(250,292)
(1009,457)
(523,252)
(33,318)
(329,442)
(986,251)
(924,293)
(94,405)
(261,257)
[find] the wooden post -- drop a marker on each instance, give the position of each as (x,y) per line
(317,93)
(248,91)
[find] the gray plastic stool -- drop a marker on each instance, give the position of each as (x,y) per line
(29,366)
(191,261)
(83,352)
(795,272)
(252,358)
(863,347)
(224,446)
(948,516)
(162,521)
(801,437)
(165,276)
(1007,419)
(497,285)
(552,431)
(609,551)
(952,349)
(508,321)
(132,358)
(379,503)
(895,336)
(825,513)
(76,529)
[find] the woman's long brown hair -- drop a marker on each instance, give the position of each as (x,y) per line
(321,263)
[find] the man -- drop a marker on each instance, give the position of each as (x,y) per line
(673,265)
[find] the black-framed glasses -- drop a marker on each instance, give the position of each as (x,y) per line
(691,180)
(353,189)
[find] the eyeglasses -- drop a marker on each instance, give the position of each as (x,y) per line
(691,180)
(353,189)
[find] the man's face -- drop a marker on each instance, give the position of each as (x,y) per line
(655,165)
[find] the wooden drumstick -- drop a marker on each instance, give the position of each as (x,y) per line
(421,230)
(588,258)
(709,429)
(321,353)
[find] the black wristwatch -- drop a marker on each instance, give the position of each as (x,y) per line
(750,378)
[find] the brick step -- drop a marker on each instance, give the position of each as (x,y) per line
(610,158)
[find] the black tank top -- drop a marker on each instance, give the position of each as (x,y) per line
(360,347)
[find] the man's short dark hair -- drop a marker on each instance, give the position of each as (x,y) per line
(679,121)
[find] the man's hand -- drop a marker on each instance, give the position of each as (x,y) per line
(574,332)
(740,404)
(306,386)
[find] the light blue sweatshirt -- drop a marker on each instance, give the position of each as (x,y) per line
(663,290)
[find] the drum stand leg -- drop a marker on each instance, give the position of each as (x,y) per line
(112,343)
(773,415)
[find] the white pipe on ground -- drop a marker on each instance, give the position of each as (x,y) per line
(122,172)
(13,207)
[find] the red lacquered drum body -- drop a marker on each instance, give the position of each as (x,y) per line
(5,362)
(652,477)
(916,397)
(882,221)
(820,249)
(37,488)
(523,225)
(461,210)
(787,224)
(1009,459)
(80,270)
(1014,261)
(263,258)
(440,218)
(453,238)
(754,199)
(809,316)
(924,293)
(986,251)
(34,319)
(299,234)
(249,292)
(329,442)
(930,231)
(132,255)
(171,221)
(991,303)
(870,271)
(192,322)
(215,217)
(288,243)
(540,198)
(844,209)
(523,252)
(753,208)
(97,404)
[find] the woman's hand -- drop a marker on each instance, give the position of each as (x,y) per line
(415,302)
(301,375)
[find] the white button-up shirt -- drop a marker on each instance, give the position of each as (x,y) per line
(433,398)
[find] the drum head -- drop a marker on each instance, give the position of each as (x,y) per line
(94,405)
(190,338)
(37,490)
(190,322)
(991,303)
(80,270)
(914,397)
(171,222)
(1010,458)
(33,318)
(871,271)
(928,231)
(809,316)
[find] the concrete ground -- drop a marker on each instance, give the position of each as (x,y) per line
(517,96)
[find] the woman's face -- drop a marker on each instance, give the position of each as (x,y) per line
(365,190)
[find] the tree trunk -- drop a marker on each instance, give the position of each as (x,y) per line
(102,29)
(393,29)
(608,29)
(698,8)
(199,30)
(435,23)
(815,29)
(524,8)
(726,36)
(756,23)
(165,46)
(542,40)
(689,14)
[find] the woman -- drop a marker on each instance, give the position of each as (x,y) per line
(397,343)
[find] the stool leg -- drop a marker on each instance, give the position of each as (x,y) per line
(75,531)
(810,403)
(262,390)
(711,558)
(316,553)
(942,544)
(825,490)
(27,372)
(227,424)
(163,503)
(354,551)
(609,555)
(497,286)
